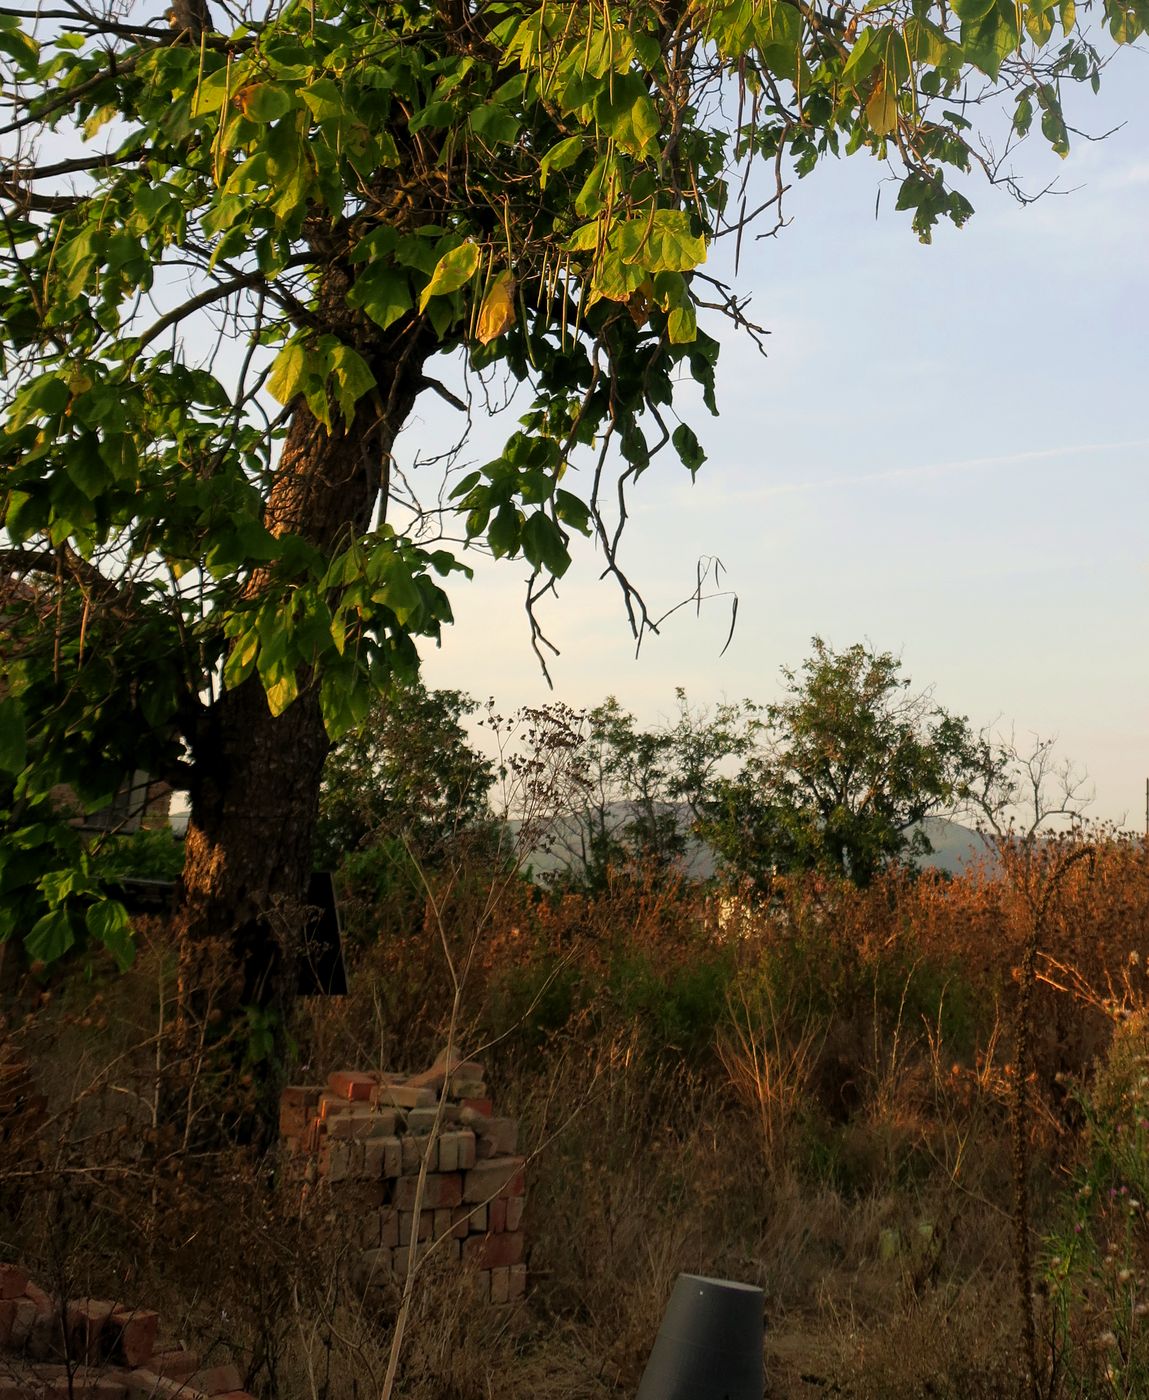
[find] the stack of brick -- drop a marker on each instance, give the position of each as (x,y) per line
(95,1349)
(366,1139)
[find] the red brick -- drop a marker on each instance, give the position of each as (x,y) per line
(493,1251)
(145,1384)
(216,1380)
(43,1302)
(404,1096)
(13,1281)
(22,1322)
(497,1216)
(347,1084)
(514,1206)
(177,1363)
(476,1105)
(303,1097)
(440,1190)
(406,1222)
(87,1319)
(389,1235)
(517,1281)
(498,1176)
(138,1329)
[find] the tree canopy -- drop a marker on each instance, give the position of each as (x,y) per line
(234,246)
(853,761)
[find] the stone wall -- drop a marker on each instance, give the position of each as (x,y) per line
(413,1166)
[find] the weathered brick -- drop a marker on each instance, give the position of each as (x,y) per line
(440,1189)
(146,1384)
(134,1334)
(517,1281)
(493,1251)
(498,1176)
(345,1161)
(422,1120)
(478,1105)
(22,1322)
(478,1218)
(347,1084)
(46,1338)
(406,1224)
(216,1380)
(515,1206)
(303,1097)
(44,1303)
(500,1285)
(403,1096)
(175,1363)
(411,1153)
(13,1281)
(389,1233)
(331,1106)
(443,1223)
(448,1152)
(497,1215)
(392,1157)
(464,1089)
(87,1319)
(364,1123)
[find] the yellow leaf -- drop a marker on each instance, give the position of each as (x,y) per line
(497,314)
(882,109)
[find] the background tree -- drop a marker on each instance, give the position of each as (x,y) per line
(853,762)
(645,789)
(233,248)
(407,773)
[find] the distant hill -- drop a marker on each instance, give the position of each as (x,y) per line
(955,847)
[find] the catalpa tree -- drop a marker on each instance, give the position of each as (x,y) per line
(234,243)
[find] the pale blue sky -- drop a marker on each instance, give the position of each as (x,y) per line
(943,454)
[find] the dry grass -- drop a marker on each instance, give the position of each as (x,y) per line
(820,1108)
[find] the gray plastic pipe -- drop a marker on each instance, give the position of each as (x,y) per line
(709,1346)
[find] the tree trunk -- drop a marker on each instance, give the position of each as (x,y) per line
(256,777)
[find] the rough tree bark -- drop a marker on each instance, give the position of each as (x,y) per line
(255,785)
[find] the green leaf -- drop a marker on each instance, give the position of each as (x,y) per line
(682,324)
(970,11)
(282,692)
(50,937)
(688,447)
(21,47)
(289,373)
(543,544)
(264,102)
(353,379)
(503,532)
(662,243)
(495,125)
(109,924)
(559,157)
(453,270)
(383,293)
(13,741)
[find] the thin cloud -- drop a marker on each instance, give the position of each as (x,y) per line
(933,470)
